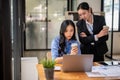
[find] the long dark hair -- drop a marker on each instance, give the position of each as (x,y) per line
(62,45)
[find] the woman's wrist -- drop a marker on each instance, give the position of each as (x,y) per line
(59,60)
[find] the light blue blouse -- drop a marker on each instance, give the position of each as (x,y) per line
(55,46)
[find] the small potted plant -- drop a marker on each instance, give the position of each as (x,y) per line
(48,68)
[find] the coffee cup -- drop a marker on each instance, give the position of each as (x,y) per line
(105,27)
(74,45)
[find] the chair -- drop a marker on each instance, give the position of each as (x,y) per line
(49,56)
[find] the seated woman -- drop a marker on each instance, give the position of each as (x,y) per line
(62,44)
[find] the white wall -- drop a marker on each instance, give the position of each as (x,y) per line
(116,42)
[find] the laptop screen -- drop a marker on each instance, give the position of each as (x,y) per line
(77,63)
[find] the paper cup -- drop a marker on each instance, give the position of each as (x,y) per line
(105,27)
(74,45)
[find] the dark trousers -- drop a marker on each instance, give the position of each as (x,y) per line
(92,50)
(98,58)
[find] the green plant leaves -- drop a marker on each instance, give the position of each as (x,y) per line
(48,63)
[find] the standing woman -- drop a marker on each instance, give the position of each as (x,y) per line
(91,33)
(62,44)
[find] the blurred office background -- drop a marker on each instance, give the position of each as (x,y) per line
(30,25)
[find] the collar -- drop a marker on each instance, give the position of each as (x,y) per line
(92,21)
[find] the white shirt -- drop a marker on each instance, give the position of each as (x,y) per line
(90,29)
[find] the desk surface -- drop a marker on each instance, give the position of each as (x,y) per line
(59,75)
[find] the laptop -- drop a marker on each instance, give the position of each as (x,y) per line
(82,63)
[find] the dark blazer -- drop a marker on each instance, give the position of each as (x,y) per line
(100,46)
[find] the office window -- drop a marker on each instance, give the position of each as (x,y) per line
(35,33)
(74,5)
(43,20)
(56,14)
(108,13)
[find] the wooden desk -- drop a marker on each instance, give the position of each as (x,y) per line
(59,75)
